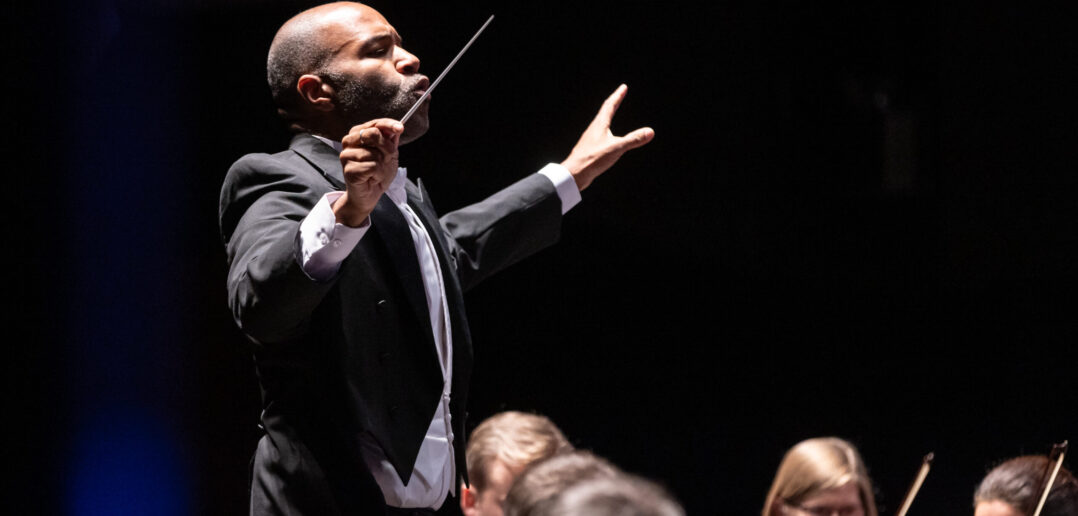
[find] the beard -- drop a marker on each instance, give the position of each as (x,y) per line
(360,102)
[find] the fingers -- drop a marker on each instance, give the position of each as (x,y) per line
(387,125)
(362,155)
(367,137)
(373,143)
(610,106)
(637,138)
(369,155)
(375,133)
(363,183)
(369,162)
(368,176)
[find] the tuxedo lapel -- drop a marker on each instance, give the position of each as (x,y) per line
(321,156)
(462,350)
(388,221)
(416,199)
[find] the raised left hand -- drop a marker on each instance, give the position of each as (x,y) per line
(598,149)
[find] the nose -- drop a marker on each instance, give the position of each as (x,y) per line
(407,62)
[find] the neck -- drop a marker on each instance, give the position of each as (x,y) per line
(329,129)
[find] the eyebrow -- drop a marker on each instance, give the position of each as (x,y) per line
(381,38)
(370,41)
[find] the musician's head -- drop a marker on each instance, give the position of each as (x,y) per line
(821,477)
(624,495)
(535,489)
(498,450)
(1014,488)
(341,64)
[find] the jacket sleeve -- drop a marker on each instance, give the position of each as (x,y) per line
(263,201)
(504,228)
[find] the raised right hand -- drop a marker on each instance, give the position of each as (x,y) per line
(369,157)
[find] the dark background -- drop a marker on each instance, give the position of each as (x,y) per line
(855,220)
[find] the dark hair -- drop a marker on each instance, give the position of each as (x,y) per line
(1019,482)
(296,50)
(538,484)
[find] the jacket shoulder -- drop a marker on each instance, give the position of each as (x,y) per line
(262,166)
(254,175)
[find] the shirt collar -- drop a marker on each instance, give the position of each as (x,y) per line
(332,143)
(396,191)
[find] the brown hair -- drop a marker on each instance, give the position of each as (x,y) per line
(514,438)
(536,487)
(624,495)
(816,465)
(1020,481)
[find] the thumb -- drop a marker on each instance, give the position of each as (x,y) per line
(637,138)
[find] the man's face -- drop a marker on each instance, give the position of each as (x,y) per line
(371,74)
(488,502)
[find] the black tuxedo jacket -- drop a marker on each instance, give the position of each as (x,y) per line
(354,355)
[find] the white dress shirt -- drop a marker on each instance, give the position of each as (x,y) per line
(324,244)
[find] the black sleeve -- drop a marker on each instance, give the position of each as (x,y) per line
(263,201)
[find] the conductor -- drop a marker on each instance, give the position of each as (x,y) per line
(350,286)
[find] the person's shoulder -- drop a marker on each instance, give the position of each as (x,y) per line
(270,169)
(255,175)
(260,161)
(293,161)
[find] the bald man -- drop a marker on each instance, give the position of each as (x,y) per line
(350,286)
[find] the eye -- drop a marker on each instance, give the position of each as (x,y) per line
(378,51)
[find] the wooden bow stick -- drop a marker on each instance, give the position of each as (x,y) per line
(1058,452)
(926,464)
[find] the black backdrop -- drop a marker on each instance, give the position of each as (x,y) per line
(854,220)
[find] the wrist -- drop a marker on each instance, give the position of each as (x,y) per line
(348,214)
(576,171)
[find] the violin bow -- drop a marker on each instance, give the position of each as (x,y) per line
(1058,452)
(926,464)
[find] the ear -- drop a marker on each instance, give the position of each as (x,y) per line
(315,92)
(776,508)
(469,497)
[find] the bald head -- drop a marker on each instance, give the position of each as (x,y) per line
(300,47)
(338,65)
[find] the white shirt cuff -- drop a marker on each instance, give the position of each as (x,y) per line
(563,181)
(324,242)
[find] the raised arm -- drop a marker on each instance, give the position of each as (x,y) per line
(526,217)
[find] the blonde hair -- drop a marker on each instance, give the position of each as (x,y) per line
(515,439)
(816,465)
